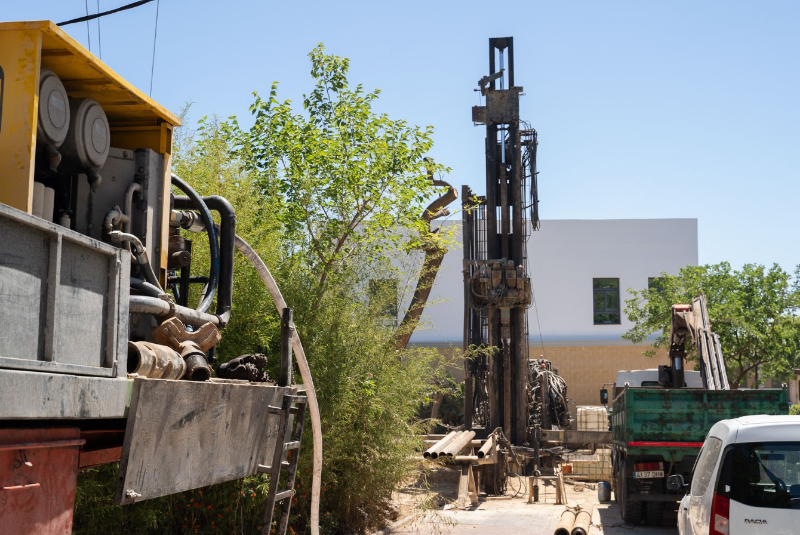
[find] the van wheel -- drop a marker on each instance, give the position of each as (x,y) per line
(654,513)
(631,510)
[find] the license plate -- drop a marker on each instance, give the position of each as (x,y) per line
(648,474)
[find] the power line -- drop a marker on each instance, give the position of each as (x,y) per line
(88,35)
(153,64)
(536,307)
(99,44)
(104,13)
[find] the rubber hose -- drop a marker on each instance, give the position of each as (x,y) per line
(205,215)
(140,254)
(226,232)
(146,287)
(305,373)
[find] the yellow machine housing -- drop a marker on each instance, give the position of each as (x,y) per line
(135,119)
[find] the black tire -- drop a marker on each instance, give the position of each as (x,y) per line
(631,510)
(654,513)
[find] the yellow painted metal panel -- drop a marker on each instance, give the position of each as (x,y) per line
(84,75)
(165,218)
(137,137)
(19,59)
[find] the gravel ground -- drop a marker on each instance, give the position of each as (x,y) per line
(513,515)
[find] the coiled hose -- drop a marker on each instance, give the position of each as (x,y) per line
(205,215)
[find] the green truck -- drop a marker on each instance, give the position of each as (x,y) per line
(658,432)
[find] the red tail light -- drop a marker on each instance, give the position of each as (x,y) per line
(720,512)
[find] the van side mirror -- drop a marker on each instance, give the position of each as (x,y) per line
(603,396)
(675,482)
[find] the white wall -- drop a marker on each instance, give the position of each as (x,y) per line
(564,256)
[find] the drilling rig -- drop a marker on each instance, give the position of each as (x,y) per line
(102,357)
(504,388)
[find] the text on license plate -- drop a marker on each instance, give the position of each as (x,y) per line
(648,474)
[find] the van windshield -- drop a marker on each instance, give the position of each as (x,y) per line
(762,474)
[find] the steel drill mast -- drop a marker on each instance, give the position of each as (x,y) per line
(497,289)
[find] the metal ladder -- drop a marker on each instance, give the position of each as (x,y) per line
(290,434)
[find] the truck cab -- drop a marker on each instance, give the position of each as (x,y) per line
(650,378)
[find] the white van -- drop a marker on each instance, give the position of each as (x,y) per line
(746,479)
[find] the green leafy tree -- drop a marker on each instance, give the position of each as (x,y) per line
(754,312)
(348,178)
(325,197)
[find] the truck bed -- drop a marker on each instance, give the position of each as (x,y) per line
(674,422)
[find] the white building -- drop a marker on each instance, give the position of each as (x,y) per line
(581,271)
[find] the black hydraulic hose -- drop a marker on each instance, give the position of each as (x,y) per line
(227,233)
(145,287)
(205,215)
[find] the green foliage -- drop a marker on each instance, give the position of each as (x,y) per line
(233,507)
(348,177)
(794,410)
(754,311)
(320,197)
(206,159)
(368,399)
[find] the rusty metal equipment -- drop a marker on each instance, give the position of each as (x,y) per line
(96,329)
(504,388)
(693,321)
(564,526)
(582,520)
(496,281)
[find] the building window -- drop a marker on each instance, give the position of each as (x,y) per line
(606,301)
(383,297)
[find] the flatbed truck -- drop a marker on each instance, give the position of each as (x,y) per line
(658,432)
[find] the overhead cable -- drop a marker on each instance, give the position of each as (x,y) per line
(153,63)
(104,13)
(99,44)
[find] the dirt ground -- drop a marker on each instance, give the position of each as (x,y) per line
(426,507)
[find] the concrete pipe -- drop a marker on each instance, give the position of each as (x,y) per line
(433,451)
(582,521)
(564,526)
(459,443)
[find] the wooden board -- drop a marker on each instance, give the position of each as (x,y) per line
(183,435)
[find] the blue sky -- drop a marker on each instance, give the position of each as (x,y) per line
(644,109)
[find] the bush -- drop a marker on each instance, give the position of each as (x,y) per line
(368,391)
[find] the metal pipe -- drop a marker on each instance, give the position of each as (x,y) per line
(582,521)
(205,214)
(487,448)
(155,361)
(127,208)
(436,451)
(140,253)
(143,304)
(564,526)
(114,217)
(458,443)
(430,452)
(145,287)
(475,443)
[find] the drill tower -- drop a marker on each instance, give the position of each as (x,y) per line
(497,287)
